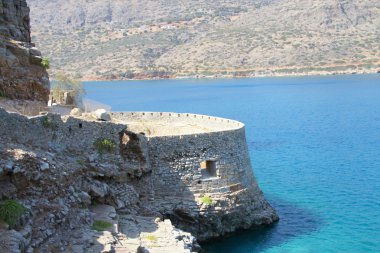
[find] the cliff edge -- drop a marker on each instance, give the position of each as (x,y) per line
(21,73)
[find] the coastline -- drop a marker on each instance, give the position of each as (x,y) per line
(235,76)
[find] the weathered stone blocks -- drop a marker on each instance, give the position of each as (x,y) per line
(21,73)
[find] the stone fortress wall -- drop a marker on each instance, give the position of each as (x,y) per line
(200,123)
(210,158)
(172,173)
(213,159)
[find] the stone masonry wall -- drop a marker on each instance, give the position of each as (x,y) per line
(180,182)
(21,73)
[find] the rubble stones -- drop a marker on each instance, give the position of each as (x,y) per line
(11,241)
(76,112)
(101,114)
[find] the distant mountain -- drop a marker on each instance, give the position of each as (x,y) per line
(100,39)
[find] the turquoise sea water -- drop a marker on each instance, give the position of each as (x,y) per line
(314,144)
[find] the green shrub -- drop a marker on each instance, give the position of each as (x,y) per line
(151,238)
(101,225)
(47,122)
(11,211)
(45,63)
(81,162)
(2,94)
(207,200)
(104,145)
(83,206)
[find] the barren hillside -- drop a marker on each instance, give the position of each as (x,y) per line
(124,39)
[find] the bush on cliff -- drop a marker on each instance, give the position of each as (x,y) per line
(45,63)
(47,123)
(104,145)
(207,200)
(151,238)
(11,211)
(100,225)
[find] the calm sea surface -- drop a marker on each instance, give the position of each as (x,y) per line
(314,144)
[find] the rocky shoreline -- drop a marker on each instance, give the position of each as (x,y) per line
(233,76)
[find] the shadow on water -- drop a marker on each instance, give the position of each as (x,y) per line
(294,222)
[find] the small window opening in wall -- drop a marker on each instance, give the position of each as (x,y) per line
(208,168)
(80,125)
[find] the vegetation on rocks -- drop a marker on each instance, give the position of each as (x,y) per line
(100,225)
(207,200)
(11,211)
(45,63)
(81,162)
(151,238)
(47,122)
(104,145)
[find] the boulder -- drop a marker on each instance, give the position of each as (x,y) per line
(76,112)
(101,114)
(7,189)
(85,198)
(12,241)
(44,166)
(98,189)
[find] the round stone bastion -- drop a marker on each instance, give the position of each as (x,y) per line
(154,124)
(202,176)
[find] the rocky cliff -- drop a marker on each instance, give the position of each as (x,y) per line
(80,185)
(21,73)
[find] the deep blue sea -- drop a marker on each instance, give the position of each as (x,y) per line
(315,149)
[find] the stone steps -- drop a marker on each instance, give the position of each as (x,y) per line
(122,249)
(128,233)
(154,235)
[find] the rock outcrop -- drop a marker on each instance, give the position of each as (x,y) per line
(69,173)
(21,74)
